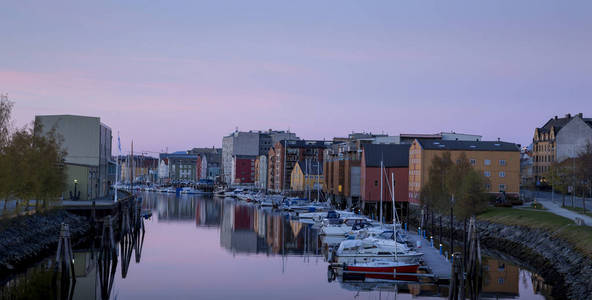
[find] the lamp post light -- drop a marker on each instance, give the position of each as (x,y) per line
(75,189)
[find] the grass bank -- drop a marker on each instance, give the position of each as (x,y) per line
(559,227)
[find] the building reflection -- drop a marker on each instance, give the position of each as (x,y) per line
(247,229)
(501,280)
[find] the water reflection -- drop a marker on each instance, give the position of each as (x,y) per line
(214,248)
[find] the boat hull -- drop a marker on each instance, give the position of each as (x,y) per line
(383,272)
(351,259)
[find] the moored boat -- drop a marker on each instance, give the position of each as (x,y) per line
(382,269)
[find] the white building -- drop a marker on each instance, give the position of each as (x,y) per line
(87,142)
(163,170)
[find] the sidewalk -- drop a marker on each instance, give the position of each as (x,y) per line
(558,210)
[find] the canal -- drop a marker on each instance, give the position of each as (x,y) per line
(213,248)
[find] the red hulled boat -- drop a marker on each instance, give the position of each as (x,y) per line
(382,269)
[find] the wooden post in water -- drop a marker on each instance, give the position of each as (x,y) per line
(64,256)
(474,265)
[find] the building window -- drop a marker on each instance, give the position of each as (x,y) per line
(487,162)
(488,187)
(500,281)
(375,182)
(502,187)
(473,161)
(502,174)
(487,173)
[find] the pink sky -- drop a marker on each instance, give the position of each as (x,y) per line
(184,76)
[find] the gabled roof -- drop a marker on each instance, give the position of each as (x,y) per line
(391,155)
(312,168)
(559,123)
(469,145)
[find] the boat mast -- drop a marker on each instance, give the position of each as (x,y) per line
(394,214)
(117,166)
(381,192)
(318,183)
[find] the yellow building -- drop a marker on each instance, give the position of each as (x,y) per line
(303,175)
(499,162)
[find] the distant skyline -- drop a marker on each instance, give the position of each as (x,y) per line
(184,74)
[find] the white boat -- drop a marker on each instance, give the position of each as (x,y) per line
(346,227)
(368,250)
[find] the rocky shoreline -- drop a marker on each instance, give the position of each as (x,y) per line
(568,270)
(25,239)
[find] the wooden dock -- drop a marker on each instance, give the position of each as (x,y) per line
(435,263)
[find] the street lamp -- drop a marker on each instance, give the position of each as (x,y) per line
(75,197)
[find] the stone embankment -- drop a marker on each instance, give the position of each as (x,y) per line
(557,261)
(25,239)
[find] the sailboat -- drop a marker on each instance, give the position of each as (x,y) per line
(381,259)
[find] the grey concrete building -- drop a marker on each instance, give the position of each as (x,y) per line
(88,160)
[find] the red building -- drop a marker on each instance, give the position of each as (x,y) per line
(395,161)
(244,169)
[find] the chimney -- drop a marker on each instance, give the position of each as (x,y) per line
(581,115)
(555,117)
(498,139)
(568,116)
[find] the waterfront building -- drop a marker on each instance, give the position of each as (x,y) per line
(243,169)
(208,162)
(249,143)
(307,176)
(499,161)
(341,162)
(182,166)
(408,138)
(145,168)
(394,159)
(285,155)
(163,170)
(87,142)
(557,140)
(261,172)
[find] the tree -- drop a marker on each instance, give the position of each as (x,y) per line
(447,178)
(31,165)
(5,113)
(435,193)
(48,157)
(472,198)
(559,177)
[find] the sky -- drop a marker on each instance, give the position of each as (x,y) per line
(181,74)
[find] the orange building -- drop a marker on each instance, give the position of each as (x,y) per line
(499,162)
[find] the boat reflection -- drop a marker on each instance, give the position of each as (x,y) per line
(103,264)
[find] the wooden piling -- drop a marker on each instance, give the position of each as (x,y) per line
(64,255)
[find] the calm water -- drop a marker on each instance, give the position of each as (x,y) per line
(210,248)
